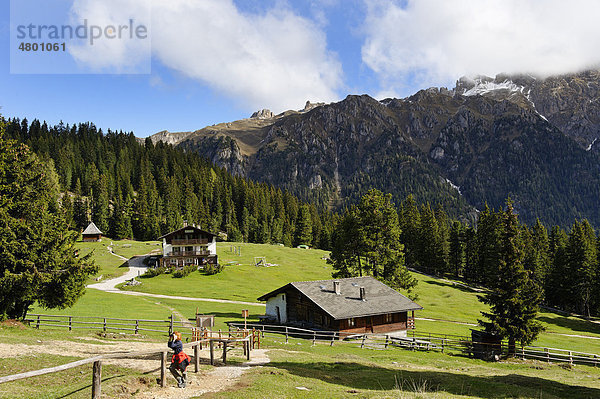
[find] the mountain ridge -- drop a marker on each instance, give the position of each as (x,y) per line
(493,137)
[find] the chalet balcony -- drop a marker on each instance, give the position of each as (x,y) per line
(410,323)
(188,253)
(191,241)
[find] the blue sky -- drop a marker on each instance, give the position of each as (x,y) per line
(214,61)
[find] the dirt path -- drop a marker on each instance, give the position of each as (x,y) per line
(213,380)
(217,379)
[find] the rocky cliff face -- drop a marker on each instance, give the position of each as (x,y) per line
(487,139)
(569,102)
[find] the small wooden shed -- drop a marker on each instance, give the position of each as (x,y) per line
(92,233)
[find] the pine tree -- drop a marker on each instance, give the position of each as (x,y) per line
(471,257)
(558,284)
(457,249)
(81,216)
(536,252)
(515,297)
(489,233)
(431,243)
(409,218)
(367,242)
(100,207)
(304,226)
(38,261)
(581,258)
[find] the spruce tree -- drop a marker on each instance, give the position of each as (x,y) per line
(514,297)
(457,249)
(304,226)
(559,280)
(38,260)
(367,242)
(100,209)
(582,266)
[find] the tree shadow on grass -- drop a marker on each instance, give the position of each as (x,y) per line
(572,324)
(362,377)
(451,285)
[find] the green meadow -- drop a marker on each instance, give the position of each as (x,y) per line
(343,370)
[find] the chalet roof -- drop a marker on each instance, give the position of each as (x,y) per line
(380,298)
(188,228)
(92,229)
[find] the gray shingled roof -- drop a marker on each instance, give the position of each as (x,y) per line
(187,228)
(380,298)
(92,229)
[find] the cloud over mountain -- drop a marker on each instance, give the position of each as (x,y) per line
(436,41)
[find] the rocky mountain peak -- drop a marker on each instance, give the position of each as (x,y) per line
(308,106)
(263,114)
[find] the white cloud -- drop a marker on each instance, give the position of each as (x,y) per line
(434,42)
(123,53)
(274,59)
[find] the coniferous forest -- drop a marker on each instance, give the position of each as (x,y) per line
(141,191)
(135,189)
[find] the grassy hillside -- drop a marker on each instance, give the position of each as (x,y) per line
(343,370)
(346,371)
(241,280)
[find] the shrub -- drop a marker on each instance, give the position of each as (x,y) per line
(153,272)
(179,273)
(211,269)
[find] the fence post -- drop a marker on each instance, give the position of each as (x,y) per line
(332,339)
(212,352)
(137,326)
(314,338)
(171,325)
(387,337)
(225,352)
(595,360)
(70,322)
(362,344)
(104,329)
(163,369)
(570,358)
(196,358)
(263,331)
(547,354)
(443,342)
(38,323)
(286,335)
(96,379)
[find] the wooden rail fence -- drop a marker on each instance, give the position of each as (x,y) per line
(428,342)
(107,324)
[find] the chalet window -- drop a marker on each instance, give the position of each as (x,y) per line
(387,318)
(283,297)
(351,322)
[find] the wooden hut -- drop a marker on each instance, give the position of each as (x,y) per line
(351,305)
(92,233)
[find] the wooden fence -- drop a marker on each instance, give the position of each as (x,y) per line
(107,324)
(444,343)
(97,361)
